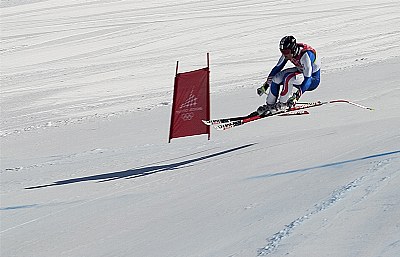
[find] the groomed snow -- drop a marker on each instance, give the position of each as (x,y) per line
(86,170)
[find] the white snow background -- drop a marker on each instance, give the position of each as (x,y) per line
(86,170)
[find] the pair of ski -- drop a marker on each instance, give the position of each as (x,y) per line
(227,123)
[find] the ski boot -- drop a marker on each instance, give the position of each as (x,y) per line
(267,109)
(271,109)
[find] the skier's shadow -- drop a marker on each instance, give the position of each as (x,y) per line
(138,172)
(328,165)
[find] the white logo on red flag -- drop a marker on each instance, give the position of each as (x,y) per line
(190,102)
(188,108)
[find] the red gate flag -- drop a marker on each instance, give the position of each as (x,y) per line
(191,103)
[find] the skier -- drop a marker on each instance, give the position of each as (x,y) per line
(305,76)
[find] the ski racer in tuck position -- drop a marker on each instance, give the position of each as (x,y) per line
(305,76)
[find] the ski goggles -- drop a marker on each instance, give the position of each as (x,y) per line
(286,51)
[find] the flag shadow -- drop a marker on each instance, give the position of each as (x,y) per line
(138,172)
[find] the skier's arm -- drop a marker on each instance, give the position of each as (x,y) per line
(306,61)
(278,67)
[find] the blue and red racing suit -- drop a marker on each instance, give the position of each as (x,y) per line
(305,75)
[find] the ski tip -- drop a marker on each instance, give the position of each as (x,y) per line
(207,122)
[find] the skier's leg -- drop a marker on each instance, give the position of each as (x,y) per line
(277,81)
(290,80)
(315,79)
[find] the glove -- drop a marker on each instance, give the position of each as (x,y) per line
(293,99)
(263,89)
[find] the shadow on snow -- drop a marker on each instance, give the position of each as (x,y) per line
(138,172)
(326,165)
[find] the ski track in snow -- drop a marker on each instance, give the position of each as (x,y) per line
(113,47)
(369,182)
(56,160)
(78,62)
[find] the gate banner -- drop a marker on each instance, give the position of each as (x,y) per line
(191,104)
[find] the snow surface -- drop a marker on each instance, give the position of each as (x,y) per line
(86,170)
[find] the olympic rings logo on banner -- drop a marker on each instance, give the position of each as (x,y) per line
(187,116)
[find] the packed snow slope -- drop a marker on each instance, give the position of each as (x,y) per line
(76,60)
(86,170)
